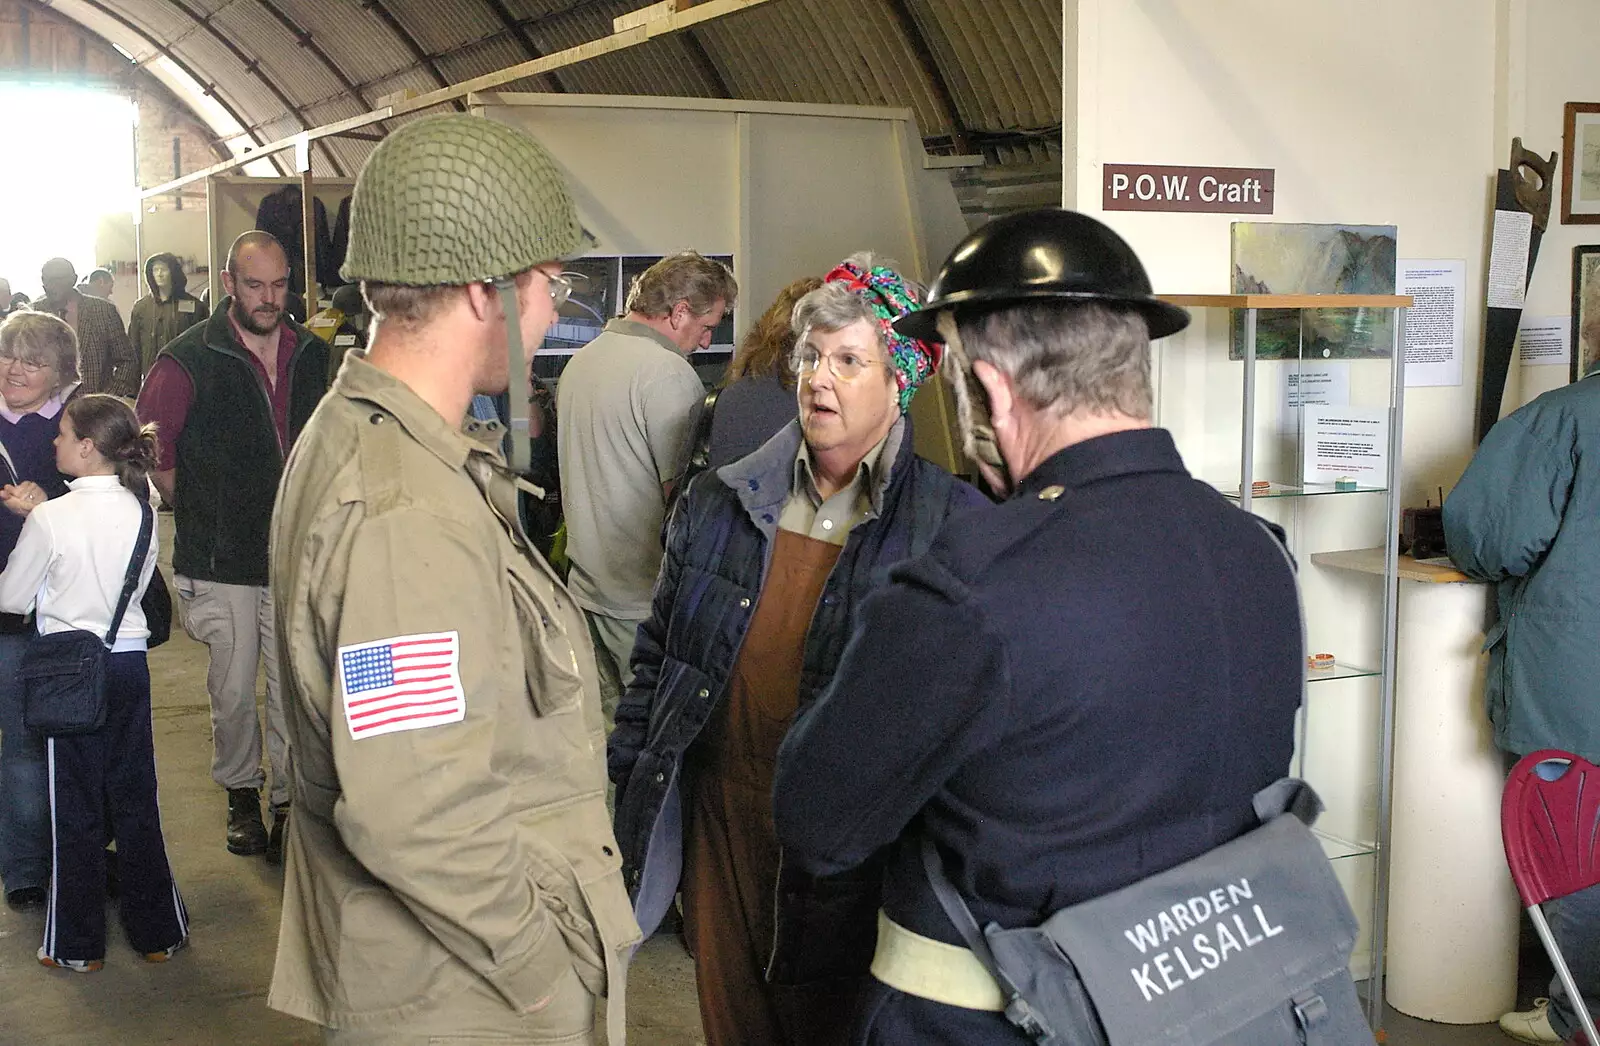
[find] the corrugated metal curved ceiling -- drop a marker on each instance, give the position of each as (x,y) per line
(979,74)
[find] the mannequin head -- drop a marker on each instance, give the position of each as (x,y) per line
(161,276)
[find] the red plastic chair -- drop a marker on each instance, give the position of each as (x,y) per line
(1550,825)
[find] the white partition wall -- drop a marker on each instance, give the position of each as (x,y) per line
(1369,112)
(787,190)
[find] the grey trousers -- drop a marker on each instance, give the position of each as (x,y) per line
(1575,924)
(235,624)
(613,649)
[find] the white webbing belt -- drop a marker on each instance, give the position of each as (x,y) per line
(931,969)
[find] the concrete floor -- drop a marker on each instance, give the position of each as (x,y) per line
(214,993)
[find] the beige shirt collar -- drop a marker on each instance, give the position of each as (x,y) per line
(832,519)
(622,325)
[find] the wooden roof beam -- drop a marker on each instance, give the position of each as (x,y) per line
(423,58)
(702,59)
(304,38)
(937,82)
(520,33)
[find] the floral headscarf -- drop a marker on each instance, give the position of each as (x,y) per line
(890,297)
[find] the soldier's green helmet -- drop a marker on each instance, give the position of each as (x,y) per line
(453,200)
(458,199)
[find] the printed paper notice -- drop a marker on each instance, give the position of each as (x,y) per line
(1544,341)
(1434,320)
(1508,259)
(1347,443)
(1312,385)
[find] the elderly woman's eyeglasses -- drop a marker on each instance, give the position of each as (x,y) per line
(846,366)
(30,365)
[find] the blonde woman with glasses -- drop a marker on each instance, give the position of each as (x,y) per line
(38,374)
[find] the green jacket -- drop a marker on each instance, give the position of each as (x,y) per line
(1526,515)
(446,855)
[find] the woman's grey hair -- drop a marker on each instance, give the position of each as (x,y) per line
(45,338)
(834,306)
(1085,358)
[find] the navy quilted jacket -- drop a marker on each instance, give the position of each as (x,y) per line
(718,549)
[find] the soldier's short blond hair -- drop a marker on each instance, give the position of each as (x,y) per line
(408,307)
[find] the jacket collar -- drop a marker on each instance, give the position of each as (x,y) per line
(44,304)
(1105,457)
(360,380)
(764,480)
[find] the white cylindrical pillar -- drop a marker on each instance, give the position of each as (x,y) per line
(1453,914)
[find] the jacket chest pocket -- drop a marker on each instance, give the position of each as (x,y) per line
(549,653)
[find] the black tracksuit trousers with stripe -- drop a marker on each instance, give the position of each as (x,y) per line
(110,775)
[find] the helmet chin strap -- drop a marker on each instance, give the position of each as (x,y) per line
(520,392)
(972,406)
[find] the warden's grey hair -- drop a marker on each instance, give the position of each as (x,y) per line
(834,306)
(1085,358)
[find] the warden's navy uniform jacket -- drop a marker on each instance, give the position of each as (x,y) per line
(1070,692)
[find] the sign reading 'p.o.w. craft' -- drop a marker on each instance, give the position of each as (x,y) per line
(1199,190)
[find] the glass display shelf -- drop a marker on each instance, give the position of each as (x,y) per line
(1339,849)
(1296,490)
(1340,670)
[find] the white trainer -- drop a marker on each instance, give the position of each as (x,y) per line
(1531,1026)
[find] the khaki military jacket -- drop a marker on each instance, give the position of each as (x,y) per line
(447,745)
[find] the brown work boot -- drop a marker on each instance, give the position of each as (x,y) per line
(247,836)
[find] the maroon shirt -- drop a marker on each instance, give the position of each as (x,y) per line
(168,393)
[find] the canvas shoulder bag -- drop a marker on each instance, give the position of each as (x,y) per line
(1248,944)
(64,673)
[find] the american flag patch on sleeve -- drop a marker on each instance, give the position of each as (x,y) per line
(404,683)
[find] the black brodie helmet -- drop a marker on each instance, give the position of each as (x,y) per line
(1049,254)
(1036,256)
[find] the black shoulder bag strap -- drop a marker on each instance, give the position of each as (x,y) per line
(1018,1012)
(700,447)
(130,580)
(696,461)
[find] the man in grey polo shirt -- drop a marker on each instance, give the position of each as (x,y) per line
(627,403)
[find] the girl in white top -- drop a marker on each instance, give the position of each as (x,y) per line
(68,568)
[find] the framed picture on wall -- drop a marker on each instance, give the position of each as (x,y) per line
(1585,309)
(1580,164)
